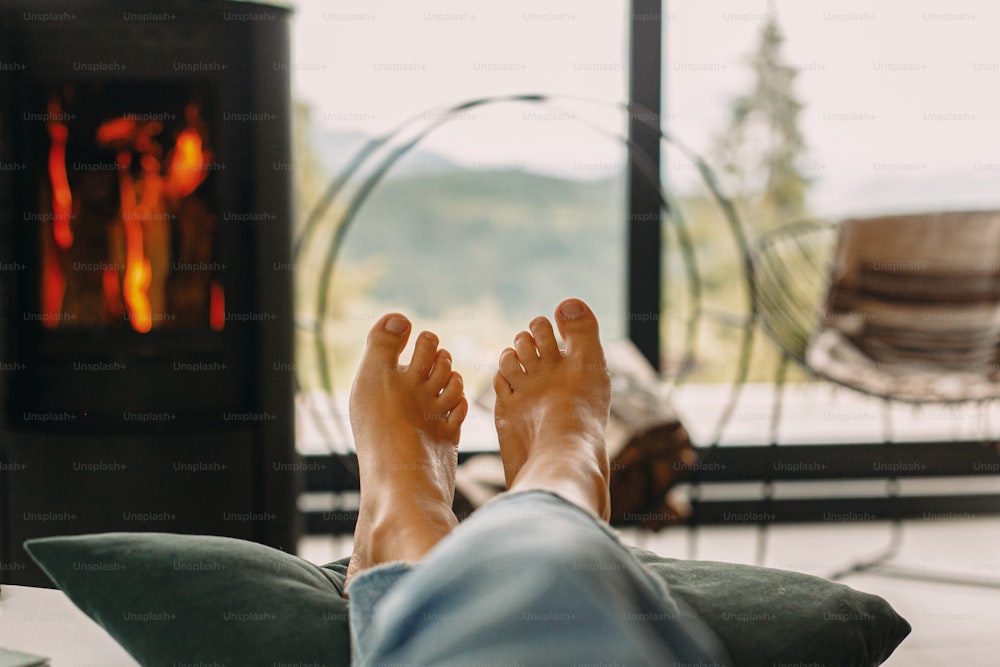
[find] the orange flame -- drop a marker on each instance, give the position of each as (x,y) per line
(119,130)
(112,292)
(217,307)
(147,195)
(54,286)
(187,165)
(138,273)
(62,196)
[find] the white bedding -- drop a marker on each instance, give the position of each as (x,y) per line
(44,622)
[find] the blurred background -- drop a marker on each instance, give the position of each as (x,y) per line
(503,210)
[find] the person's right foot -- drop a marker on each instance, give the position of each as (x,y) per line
(552,410)
(406,422)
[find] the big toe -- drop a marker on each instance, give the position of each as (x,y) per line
(578,327)
(387,338)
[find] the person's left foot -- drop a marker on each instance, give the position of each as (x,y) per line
(406,422)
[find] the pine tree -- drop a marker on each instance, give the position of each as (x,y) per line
(762,145)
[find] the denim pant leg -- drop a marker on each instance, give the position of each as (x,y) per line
(529,579)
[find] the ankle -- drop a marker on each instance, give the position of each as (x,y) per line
(408,527)
(579,477)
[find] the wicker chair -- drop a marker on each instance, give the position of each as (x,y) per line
(905,308)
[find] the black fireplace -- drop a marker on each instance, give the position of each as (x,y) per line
(146,336)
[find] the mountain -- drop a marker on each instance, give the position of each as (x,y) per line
(445,240)
(333,149)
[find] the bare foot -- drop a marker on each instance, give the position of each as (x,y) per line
(552,409)
(406,422)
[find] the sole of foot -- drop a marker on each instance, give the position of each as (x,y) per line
(406,422)
(552,409)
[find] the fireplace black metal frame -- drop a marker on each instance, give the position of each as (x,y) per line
(206,452)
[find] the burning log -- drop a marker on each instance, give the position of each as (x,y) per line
(132,240)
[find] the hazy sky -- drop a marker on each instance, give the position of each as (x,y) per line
(902,97)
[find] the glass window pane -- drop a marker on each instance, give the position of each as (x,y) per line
(873,108)
(501,210)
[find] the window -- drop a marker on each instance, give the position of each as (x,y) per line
(502,211)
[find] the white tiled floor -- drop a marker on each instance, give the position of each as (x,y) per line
(953,625)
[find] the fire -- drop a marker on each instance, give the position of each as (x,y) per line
(62,196)
(138,274)
(153,182)
(119,130)
(145,201)
(62,210)
(217,307)
(55,286)
(187,165)
(112,292)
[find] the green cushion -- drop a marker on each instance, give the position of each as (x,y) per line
(171,599)
(191,599)
(766,616)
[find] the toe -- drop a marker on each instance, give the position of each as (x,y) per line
(452,392)
(423,354)
(459,412)
(388,337)
(545,338)
(500,385)
(510,368)
(441,372)
(578,327)
(527,353)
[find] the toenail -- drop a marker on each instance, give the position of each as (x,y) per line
(396,325)
(571,310)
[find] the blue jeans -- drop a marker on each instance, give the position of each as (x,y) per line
(529,579)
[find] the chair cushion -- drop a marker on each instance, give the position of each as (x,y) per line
(913,308)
